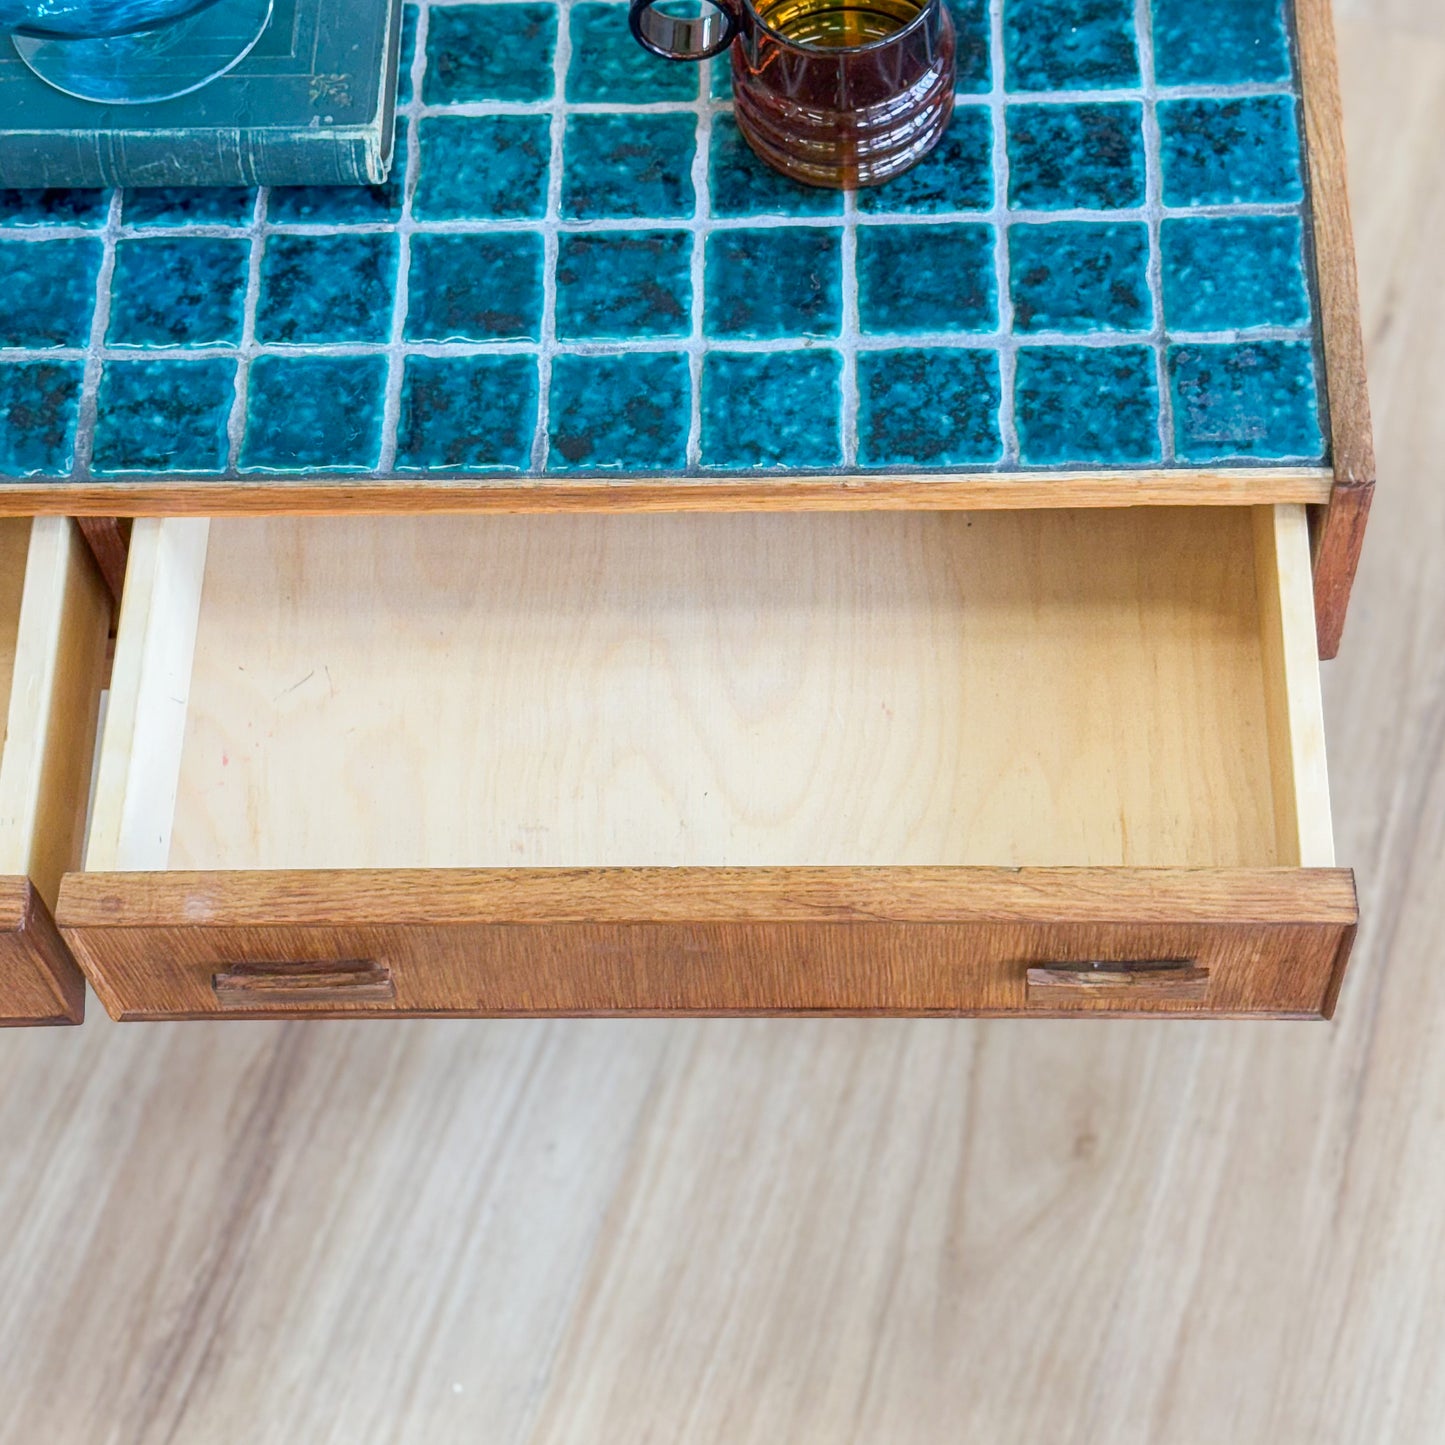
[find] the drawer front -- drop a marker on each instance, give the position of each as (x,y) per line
(971,941)
(57,617)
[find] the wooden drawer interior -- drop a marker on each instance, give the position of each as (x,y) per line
(1109,688)
(54,622)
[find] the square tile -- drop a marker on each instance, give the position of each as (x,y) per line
(784,281)
(467,413)
(616,285)
(1084,157)
(772,409)
(927,278)
(410,15)
(53,207)
(326,288)
(48,293)
(1245,41)
(178,291)
(628,165)
(741,185)
(485,287)
(928,408)
(1245,401)
(1215,152)
(957,175)
(164,415)
(162,206)
(489,52)
(39,404)
(485,166)
(343,205)
(1080,276)
(314,413)
(1071,44)
(1094,406)
(1234,273)
(608,65)
(619,413)
(971,46)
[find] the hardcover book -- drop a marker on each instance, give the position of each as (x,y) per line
(313,104)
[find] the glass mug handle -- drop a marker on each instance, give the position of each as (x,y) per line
(694,37)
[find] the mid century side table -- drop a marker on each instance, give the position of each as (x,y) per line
(898,602)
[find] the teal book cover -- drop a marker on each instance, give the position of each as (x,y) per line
(313,104)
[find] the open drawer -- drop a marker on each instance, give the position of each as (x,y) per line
(54,624)
(1047,762)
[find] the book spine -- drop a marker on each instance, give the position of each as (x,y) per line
(312,157)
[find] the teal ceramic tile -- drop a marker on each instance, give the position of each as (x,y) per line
(490,52)
(608,65)
(483,166)
(927,279)
(1254,402)
(1216,152)
(23,209)
(178,291)
(39,407)
(551,241)
(314,413)
(47,296)
(1234,273)
(1071,44)
(782,281)
(467,413)
(485,287)
(326,289)
(956,176)
(164,415)
(343,205)
(1076,157)
(928,408)
(624,166)
(971,49)
(1094,406)
(162,207)
(611,286)
(619,413)
(1080,276)
(741,185)
(772,409)
(407,57)
(1244,42)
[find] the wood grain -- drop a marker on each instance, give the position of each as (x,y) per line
(837,941)
(1339,528)
(740,1232)
(109,541)
(1200,487)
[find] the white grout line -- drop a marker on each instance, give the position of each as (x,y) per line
(405,229)
(547,349)
(92,354)
(862,341)
(1002,218)
(702,215)
(248,349)
(852,330)
(1154,209)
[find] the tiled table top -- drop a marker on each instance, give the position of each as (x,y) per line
(579,268)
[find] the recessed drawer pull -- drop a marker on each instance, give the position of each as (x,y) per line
(1155,978)
(317,982)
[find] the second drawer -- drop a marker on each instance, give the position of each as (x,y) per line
(1008,762)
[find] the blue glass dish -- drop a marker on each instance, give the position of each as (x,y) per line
(126,52)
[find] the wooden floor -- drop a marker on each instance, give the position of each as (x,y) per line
(783,1232)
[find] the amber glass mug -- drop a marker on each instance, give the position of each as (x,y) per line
(838,93)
